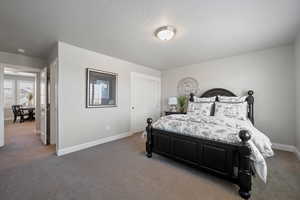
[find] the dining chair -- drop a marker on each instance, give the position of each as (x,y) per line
(18,112)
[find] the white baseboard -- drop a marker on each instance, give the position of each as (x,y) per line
(79,147)
(285,147)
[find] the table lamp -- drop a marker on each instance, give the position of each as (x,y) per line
(173,104)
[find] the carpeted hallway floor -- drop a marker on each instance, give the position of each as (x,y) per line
(120,171)
(23,145)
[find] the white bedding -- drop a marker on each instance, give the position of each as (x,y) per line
(221,129)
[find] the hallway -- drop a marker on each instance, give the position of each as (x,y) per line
(22,145)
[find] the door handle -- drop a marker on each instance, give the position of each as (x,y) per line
(132,107)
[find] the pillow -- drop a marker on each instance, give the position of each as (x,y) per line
(232,99)
(231,110)
(204,99)
(203,109)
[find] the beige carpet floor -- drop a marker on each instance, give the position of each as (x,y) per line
(120,171)
(23,145)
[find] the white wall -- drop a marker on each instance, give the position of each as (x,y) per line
(53,54)
(297,54)
(21,60)
(270,73)
(78,124)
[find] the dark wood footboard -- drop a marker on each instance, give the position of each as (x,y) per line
(231,161)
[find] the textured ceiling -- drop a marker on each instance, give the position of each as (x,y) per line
(206,29)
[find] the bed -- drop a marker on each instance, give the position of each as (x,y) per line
(230,160)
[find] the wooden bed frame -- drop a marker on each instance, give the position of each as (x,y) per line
(230,161)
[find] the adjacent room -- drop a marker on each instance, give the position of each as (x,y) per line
(150,100)
(19,96)
(25,129)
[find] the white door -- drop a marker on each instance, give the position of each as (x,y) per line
(43,105)
(145,100)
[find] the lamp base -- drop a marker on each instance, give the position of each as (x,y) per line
(173,108)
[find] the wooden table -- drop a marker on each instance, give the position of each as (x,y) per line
(30,111)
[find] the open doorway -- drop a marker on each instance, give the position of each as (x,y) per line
(26,107)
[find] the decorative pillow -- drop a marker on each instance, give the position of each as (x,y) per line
(231,110)
(204,99)
(226,99)
(203,109)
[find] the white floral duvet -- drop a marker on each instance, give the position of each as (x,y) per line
(221,129)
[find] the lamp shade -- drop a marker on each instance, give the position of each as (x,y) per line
(172,101)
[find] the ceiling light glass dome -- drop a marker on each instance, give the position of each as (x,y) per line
(165,33)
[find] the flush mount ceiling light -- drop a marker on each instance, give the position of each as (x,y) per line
(21,50)
(165,33)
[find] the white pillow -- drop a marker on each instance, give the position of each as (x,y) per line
(203,109)
(204,99)
(231,110)
(232,99)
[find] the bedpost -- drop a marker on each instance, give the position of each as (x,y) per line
(250,100)
(149,138)
(192,97)
(244,165)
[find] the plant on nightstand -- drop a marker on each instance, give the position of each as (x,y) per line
(182,102)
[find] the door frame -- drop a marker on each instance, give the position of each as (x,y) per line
(54,102)
(133,75)
(29,69)
(44,136)
(37,93)
(2,141)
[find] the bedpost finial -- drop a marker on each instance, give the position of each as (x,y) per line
(149,121)
(250,92)
(192,97)
(244,135)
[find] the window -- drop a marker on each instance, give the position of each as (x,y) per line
(9,93)
(19,92)
(25,94)
(101,88)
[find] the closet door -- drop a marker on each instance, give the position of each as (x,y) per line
(145,100)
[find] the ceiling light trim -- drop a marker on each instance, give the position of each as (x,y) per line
(21,50)
(165,33)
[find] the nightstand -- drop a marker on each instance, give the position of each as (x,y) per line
(172,112)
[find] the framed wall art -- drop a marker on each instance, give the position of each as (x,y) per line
(101,88)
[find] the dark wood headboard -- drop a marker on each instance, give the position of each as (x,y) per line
(223,92)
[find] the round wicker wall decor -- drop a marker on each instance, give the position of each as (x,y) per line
(186,86)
